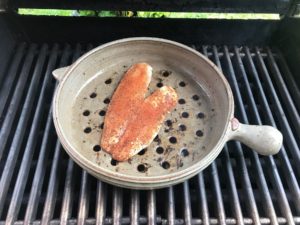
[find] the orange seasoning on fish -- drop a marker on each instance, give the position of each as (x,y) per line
(132,121)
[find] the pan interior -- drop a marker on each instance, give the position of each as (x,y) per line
(189,132)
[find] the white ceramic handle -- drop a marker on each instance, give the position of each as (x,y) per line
(265,140)
(59,73)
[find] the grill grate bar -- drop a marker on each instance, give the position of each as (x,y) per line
(203,199)
(135,207)
(117,205)
(286,129)
(187,203)
(32,140)
(52,186)
(7,84)
(84,198)
(284,92)
(151,207)
(289,174)
(171,206)
(233,189)
(67,200)
(218,193)
(275,177)
(221,54)
(101,203)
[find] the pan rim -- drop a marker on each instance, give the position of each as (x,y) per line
(88,165)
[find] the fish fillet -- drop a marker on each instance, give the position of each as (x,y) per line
(132,121)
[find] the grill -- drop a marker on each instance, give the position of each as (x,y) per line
(40,184)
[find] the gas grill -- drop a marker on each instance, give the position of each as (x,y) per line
(40,184)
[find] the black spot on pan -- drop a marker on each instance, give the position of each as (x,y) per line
(185,114)
(182,127)
(86,113)
(87,130)
(108,81)
(184,152)
(159,85)
(166,73)
(157,139)
(182,84)
(160,150)
(106,100)
(181,101)
(196,97)
(102,113)
(199,133)
(173,140)
(143,151)
(200,115)
(165,165)
(97,148)
(93,95)
(142,168)
(168,123)
(179,162)
(114,162)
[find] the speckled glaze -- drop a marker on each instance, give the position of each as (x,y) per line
(190,139)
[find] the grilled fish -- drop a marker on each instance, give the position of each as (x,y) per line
(132,121)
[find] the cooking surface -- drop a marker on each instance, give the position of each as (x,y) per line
(40,183)
(177,142)
(189,132)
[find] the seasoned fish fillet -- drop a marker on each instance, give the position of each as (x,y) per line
(132,121)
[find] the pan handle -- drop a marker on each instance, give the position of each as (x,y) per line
(59,73)
(265,140)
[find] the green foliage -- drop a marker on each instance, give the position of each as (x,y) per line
(142,14)
(107,13)
(46,12)
(207,15)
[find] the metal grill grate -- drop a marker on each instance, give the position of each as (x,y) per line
(39,184)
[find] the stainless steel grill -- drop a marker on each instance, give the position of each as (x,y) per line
(39,184)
